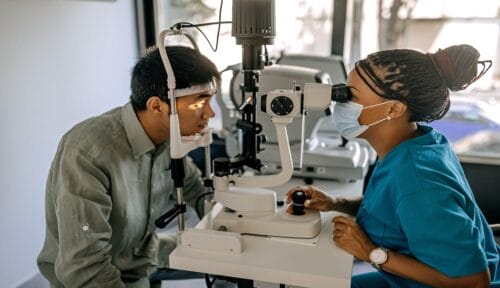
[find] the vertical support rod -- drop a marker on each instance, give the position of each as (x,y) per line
(339,24)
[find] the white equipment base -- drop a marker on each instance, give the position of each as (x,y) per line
(279,224)
(315,262)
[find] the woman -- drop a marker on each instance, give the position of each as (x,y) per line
(418,222)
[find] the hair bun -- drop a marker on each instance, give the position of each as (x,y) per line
(457,65)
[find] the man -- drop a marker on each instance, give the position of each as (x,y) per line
(111,178)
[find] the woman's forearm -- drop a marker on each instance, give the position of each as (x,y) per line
(348,206)
(411,268)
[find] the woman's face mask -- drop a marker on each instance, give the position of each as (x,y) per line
(345,118)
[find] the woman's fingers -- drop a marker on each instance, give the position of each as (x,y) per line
(289,194)
(342,219)
(315,198)
(293,190)
(340,226)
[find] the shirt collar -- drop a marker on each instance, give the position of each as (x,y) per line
(429,136)
(137,137)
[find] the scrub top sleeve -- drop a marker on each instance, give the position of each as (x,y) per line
(440,233)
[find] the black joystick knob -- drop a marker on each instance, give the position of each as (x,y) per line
(298,199)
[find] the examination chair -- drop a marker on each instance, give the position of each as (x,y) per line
(482,174)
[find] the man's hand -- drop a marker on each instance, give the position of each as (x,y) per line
(349,236)
(316,199)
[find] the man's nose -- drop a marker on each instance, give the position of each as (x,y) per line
(208,112)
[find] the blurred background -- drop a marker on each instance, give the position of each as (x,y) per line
(62,61)
(306,27)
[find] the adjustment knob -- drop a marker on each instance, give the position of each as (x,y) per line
(298,199)
(221,166)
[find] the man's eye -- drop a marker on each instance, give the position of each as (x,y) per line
(197,105)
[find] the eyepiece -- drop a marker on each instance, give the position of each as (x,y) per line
(341,93)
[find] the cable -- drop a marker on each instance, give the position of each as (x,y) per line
(209,282)
(180,25)
(266,56)
(197,203)
(218,28)
(231,91)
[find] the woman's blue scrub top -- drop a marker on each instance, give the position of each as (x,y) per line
(418,203)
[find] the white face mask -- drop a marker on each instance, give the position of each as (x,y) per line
(345,118)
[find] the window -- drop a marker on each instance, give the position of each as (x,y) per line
(301,27)
(305,26)
(472,123)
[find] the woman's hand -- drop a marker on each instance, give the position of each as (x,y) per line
(349,236)
(316,199)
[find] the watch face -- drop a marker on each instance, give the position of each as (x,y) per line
(378,256)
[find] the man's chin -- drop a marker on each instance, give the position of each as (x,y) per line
(192,133)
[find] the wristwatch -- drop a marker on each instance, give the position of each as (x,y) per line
(378,257)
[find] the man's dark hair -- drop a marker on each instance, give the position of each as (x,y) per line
(149,77)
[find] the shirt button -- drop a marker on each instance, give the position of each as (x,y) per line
(85,228)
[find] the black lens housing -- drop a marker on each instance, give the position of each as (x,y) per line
(341,93)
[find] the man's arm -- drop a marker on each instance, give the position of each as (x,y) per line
(83,207)
(193,184)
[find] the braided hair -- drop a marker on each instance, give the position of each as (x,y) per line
(422,81)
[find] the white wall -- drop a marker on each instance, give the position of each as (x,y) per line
(61,61)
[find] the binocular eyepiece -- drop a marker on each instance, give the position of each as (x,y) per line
(341,93)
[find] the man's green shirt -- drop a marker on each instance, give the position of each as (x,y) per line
(107,185)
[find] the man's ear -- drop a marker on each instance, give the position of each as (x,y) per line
(156,105)
(397,109)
